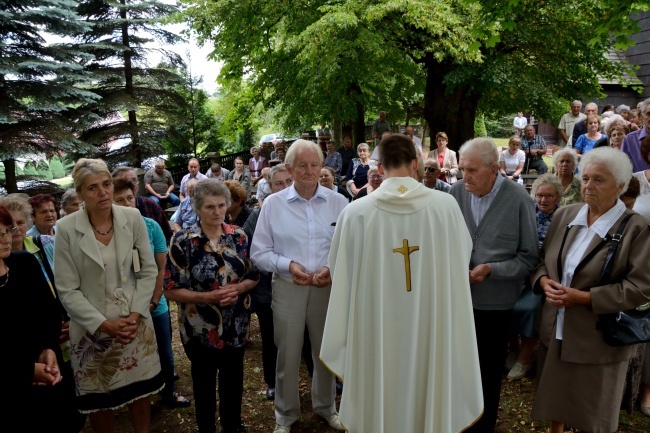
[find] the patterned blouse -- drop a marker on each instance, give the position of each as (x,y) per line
(572,194)
(194,263)
(543,224)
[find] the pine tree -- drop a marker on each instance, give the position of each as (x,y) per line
(43,170)
(119,35)
(41,84)
(57,168)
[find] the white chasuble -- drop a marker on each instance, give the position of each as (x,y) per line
(400,329)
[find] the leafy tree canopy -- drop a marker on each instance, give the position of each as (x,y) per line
(322,59)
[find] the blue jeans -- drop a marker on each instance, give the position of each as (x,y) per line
(172,199)
(162,326)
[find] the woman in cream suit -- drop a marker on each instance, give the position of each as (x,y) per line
(446,159)
(582,378)
(105,274)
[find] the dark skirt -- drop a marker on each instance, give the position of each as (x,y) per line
(583,396)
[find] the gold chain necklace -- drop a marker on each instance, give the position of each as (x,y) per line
(6,275)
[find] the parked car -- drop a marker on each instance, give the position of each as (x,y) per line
(272,138)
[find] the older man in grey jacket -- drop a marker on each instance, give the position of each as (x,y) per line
(500,216)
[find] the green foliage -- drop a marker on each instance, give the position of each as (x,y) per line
(19,171)
(42,86)
(30,170)
(2,172)
(498,126)
(136,98)
(193,129)
(43,170)
(334,60)
(57,168)
(479,125)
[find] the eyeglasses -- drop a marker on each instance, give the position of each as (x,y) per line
(376,177)
(12,231)
(431,169)
(546,196)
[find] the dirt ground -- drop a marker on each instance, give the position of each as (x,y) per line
(257,411)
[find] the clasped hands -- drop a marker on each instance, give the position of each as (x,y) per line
(123,329)
(562,296)
(46,369)
(302,277)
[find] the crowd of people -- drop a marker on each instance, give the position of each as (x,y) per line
(317,245)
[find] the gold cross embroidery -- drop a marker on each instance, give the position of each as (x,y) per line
(402,189)
(406,251)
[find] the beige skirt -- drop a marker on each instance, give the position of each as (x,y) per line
(583,396)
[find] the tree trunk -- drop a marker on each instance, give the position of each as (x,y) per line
(128,79)
(11,184)
(337,132)
(358,124)
(452,112)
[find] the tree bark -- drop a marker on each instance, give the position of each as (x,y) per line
(11,184)
(358,124)
(337,132)
(128,79)
(449,111)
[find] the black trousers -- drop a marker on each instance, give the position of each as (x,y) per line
(269,349)
(209,366)
(492,331)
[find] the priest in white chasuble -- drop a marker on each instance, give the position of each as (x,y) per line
(399,330)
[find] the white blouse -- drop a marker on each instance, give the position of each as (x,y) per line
(577,249)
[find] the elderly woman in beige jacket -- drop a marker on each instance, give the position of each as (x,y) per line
(105,274)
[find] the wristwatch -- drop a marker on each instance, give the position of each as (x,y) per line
(154,303)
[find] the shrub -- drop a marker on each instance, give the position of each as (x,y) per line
(57,168)
(43,170)
(30,170)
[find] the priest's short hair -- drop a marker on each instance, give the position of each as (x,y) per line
(396,150)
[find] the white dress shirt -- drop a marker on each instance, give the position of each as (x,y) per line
(480,205)
(291,228)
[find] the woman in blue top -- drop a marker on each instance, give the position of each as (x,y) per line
(587,141)
(124,195)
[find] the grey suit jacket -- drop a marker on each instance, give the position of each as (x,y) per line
(630,287)
(79,268)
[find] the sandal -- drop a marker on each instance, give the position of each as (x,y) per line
(177,400)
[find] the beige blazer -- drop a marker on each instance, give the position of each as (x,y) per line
(630,287)
(449,162)
(79,268)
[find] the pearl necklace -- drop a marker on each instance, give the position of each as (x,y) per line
(6,275)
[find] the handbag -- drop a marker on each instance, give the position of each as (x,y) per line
(625,327)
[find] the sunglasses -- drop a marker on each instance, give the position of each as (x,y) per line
(431,169)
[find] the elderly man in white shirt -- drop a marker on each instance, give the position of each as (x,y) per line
(292,239)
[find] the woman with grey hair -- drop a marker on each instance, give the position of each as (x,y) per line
(547,192)
(208,273)
(615,128)
(565,162)
(623,110)
(256,164)
(357,175)
(70,202)
(582,377)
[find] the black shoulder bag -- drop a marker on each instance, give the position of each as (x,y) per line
(626,327)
